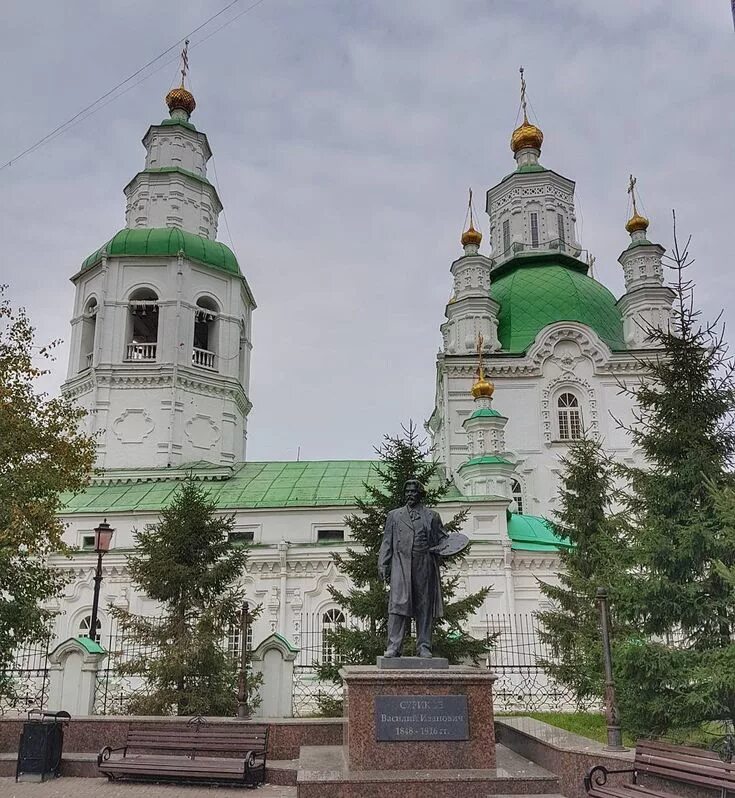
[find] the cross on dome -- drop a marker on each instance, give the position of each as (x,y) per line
(471,237)
(526,135)
(636,222)
(482,388)
(180,99)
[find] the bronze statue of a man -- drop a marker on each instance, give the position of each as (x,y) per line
(406,562)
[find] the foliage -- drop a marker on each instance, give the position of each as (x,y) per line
(186,563)
(42,455)
(584,516)
(365,603)
(681,669)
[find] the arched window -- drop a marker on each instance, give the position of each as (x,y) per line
(205,334)
(570,417)
(84,626)
(517,493)
(142,325)
(89,327)
(331,621)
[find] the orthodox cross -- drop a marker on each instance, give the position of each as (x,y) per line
(480,370)
(523,97)
(631,191)
(184,61)
(470,207)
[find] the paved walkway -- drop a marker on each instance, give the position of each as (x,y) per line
(101,788)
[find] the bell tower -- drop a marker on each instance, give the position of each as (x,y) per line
(161,331)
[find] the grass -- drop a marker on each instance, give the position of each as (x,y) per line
(592,726)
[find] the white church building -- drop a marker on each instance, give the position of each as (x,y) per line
(160,359)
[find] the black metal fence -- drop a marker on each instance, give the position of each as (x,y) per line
(24,685)
(515,657)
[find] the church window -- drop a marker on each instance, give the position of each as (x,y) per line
(84,626)
(570,417)
(560,226)
(88,542)
(517,493)
(89,329)
(143,325)
(330,535)
(331,621)
(205,334)
(534,229)
(506,235)
(241,537)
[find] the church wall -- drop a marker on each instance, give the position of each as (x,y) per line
(288,572)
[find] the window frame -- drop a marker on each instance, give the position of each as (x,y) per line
(534,228)
(569,418)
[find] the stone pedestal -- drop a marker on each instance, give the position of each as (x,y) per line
(415,719)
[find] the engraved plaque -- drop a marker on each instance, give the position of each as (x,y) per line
(421,717)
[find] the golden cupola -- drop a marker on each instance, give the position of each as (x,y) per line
(181,98)
(471,236)
(526,135)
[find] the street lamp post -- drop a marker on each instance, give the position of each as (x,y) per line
(612,716)
(102,540)
(242,681)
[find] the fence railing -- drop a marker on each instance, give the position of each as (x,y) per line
(24,685)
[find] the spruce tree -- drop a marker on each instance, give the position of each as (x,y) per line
(365,603)
(681,670)
(186,563)
(585,517)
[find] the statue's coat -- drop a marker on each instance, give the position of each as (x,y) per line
(395,557)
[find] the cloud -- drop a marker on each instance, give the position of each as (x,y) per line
(345,137)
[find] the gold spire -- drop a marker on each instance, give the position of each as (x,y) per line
(636,221)
(526,134)
(481,388)
(180,98)
(470,235)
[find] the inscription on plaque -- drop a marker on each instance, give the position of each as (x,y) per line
(421,717)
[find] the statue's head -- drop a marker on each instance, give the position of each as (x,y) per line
(413,492)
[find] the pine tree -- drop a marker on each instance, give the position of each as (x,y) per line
(43,454)
(366,601)
(584,517)
(186,563)
(681,670)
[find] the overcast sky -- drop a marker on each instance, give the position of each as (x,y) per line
(345,136)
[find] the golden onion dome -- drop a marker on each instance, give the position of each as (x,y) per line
(483,388)
(526,135)
(471,236)
(636,223)
(181,98)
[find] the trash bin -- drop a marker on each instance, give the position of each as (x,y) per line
(40,746)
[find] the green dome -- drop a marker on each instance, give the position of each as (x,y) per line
(166,241)
(534,295)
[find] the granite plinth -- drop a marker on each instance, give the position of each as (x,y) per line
(363,751)
(323,773)
(412,663)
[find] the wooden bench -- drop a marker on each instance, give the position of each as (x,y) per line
(230,754)
(691,766)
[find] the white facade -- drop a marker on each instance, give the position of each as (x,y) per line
(162,401)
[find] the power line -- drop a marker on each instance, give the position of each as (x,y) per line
(98,104)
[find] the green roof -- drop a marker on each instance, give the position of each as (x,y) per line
(483,412)
(535,292)
(532,533)
(486,460)
(181,122)
(166,241)
(319,483)
(90,645)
